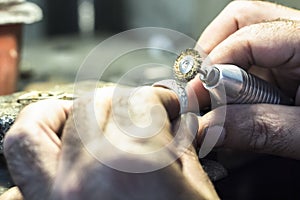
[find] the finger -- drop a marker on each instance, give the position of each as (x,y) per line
(169,99)
(191,168)
(116,111)
(103,121)
(196,87)
(32,148)
(12,194)
(263,128)
(272,45)
(196,97)
(48,115)
(101,130)
(239,14)
(259,45)
(80,142)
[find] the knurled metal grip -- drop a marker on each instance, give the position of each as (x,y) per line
(230,84)
(256,90)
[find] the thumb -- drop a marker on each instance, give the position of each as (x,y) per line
(262,128)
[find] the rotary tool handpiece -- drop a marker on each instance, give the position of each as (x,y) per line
(229,84)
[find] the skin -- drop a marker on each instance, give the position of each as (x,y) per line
(248,34)
(263,38)
(47,163)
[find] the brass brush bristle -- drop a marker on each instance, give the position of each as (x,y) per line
(188,65)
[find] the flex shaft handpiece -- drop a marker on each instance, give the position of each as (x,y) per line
(228,84)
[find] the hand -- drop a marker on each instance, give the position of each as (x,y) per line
(262,38)
(76,166)
(32,147)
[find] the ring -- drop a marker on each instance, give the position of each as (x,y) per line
(179,89)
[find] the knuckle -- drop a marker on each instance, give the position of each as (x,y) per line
(244,6)
(267,134)
(243,11)
(235,5)
(66,191)
(16,140)
(261,128)
(258,135)
(238,7)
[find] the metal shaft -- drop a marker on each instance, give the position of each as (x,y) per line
(229,84)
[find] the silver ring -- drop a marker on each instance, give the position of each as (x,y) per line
(179,89)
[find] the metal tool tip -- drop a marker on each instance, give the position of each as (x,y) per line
(187,65)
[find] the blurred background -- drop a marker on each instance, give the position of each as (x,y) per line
(54,48)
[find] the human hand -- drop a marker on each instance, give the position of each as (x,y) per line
(45,167)
(32,147)
(263,38)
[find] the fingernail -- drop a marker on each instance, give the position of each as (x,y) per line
(188,127)
(212,137)
(202,136)
(192,122)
